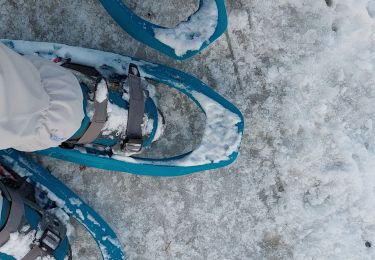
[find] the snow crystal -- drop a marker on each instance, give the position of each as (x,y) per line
(190,35)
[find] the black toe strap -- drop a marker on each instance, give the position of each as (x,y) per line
(97,123)
(96,126)
(86,70)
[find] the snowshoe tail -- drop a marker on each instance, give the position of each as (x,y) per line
(146,32)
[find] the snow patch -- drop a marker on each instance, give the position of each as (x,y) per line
(75,202)
(117,120)
(101,92)
(80,214)
(18,244)
(190,35)
(93,220)
(220,139)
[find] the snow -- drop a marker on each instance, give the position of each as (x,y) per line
(75,202)
(80,214)
(220,139)
(18,244)
(303,187)
(92,219)
(117,120)
(191,34)
(101,92)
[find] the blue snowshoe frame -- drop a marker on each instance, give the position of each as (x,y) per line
(143,30)
(184,83)
(33,218)
(74,206)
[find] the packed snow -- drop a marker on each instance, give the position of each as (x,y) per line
(302,73)
(190,35)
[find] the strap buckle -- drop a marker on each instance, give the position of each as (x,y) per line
(53,233)
(49,241)
(133,145)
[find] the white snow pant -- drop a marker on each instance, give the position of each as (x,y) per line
(41,103)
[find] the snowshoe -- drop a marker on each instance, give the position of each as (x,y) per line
(188,38)
(116,140)
(36,209)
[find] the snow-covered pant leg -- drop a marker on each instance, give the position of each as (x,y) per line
(41,103)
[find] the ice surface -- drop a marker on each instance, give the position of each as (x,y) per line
(302,72)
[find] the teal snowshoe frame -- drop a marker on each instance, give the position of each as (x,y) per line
(73,205)
(33,218)
(224,122)
(143,30)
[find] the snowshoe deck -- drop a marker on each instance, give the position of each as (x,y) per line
(221,139)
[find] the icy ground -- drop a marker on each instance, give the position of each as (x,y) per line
(302,72)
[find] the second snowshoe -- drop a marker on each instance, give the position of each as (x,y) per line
(35,213)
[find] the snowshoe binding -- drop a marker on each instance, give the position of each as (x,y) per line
(122,116)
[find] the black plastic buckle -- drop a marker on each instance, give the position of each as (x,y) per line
(133,70)
(49,241)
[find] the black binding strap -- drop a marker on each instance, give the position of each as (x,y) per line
(98,122)
(86,70)
(100,114)
(134,140)
(15,216)
(53,230)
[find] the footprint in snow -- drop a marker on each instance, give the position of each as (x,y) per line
(329,2)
